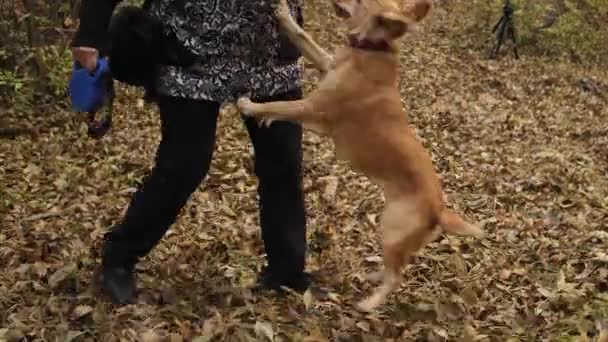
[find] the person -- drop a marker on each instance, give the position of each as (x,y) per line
(239,49)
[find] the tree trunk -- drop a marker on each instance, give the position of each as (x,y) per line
(32,33)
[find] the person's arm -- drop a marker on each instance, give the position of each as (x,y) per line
(94,18)
(91,36)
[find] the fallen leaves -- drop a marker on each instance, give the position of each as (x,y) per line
(331,186)
(150,336)
(57,278)
(307,299)
(519,152)
(264,330)
(80,311)
(11,335)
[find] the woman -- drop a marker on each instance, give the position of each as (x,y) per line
(239,50)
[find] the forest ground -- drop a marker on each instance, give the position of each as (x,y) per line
(521,147)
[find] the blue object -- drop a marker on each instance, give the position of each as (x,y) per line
(87,90)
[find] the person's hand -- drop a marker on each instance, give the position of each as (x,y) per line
(88,86)
(86,57)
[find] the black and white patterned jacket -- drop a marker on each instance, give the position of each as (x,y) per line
(238,43)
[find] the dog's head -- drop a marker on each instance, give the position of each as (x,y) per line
(380,21)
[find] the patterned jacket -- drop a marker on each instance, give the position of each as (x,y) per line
(238,44)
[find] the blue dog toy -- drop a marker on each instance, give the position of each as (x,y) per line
(90,91)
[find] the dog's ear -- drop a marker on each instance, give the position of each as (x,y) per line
(395,24)
(419,10)
(391,25)
(345,8)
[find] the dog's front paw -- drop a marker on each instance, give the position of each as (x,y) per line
(266,121)
(282,11)
(245,106)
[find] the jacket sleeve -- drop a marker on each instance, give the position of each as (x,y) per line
(94,18)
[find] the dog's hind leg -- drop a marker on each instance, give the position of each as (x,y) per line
(377,276)
(404,231)
(302,40)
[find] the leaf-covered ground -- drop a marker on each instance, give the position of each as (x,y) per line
(521,146)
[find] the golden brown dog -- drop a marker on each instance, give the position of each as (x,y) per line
(357,104)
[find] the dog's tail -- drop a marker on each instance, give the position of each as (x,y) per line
(451,223)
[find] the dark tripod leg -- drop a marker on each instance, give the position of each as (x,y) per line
(500,37)
(499,27)
(513,39)
(498,24)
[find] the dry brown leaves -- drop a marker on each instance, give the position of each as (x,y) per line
(521,146)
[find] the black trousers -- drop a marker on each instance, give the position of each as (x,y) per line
(182,162)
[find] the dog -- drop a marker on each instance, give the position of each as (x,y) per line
(357,103)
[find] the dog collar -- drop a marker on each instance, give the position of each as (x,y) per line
(369,45)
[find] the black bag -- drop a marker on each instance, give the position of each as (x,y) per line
(138,46)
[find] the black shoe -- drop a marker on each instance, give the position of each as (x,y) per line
(119,283)
(298,283)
